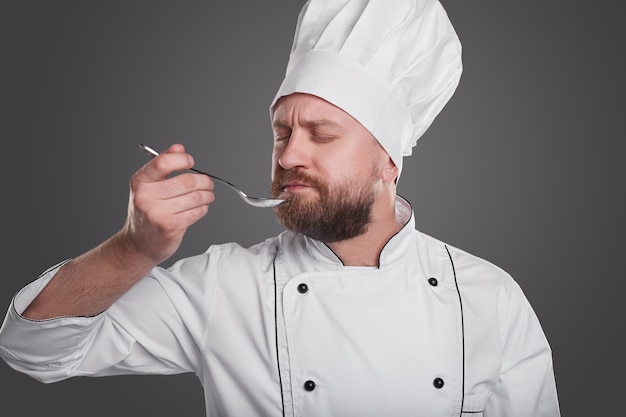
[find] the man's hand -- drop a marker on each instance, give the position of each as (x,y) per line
(161,208)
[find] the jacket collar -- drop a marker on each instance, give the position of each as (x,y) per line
(392,252)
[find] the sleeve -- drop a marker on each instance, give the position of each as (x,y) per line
(155,328)
(526,385)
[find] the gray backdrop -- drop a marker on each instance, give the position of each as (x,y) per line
(523,167)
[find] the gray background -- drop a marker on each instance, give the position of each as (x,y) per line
(522,168)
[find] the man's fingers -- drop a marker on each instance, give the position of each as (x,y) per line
(189,201)
(175,148)
(188,216)
(173,195)
(173,217)
(183,184)
(173,160)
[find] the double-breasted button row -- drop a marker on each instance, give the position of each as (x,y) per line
(303,288)
(310,385)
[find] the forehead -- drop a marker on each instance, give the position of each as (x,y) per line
(307,109)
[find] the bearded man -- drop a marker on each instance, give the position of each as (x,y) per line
(351,311)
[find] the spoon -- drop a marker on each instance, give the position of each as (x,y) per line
(253,201)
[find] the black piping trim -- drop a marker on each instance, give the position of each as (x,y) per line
(280,378)
(462,328)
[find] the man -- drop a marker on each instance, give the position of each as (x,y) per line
(351,311)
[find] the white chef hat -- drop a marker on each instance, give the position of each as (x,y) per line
(390,64)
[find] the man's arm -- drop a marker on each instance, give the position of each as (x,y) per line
(160,210)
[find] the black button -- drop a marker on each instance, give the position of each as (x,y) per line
(438,383)
(433,281)
(309,385)
(303,288)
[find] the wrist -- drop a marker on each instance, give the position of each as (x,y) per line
(130,253)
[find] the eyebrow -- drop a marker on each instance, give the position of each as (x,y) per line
(281,124)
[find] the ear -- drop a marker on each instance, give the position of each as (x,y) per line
(390,171)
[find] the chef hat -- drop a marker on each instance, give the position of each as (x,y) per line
(390,64)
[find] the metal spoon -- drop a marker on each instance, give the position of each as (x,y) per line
(253,201)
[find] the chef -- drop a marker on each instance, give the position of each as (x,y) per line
(350,311)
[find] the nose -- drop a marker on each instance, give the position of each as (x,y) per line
(294,154)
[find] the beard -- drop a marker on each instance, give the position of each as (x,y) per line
(337,213)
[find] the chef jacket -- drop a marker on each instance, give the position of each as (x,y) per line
(284,329)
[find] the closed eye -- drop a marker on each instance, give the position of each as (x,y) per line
(323,138)
(282,135)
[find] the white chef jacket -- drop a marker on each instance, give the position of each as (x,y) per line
(284,329)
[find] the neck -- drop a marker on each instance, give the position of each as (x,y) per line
(365,249)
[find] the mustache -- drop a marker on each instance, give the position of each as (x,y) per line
(285,177)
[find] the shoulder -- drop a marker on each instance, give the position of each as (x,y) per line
(232,256)
(468,269)
(486,290)
(259,252)
(220,257)
(220,266)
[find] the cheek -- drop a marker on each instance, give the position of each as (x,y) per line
(380,163)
